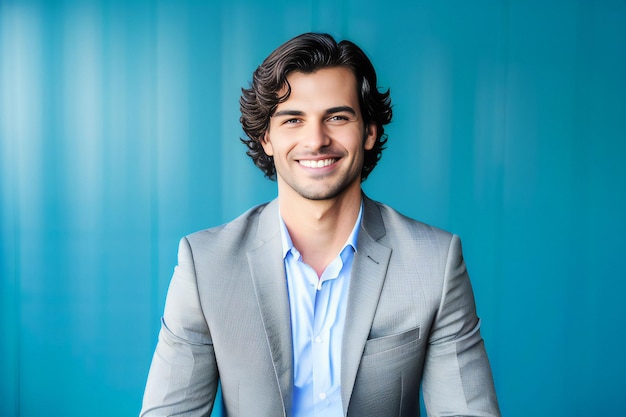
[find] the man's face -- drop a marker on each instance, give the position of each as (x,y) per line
(317,137)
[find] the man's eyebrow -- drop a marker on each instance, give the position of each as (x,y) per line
(288,113)
(341,109)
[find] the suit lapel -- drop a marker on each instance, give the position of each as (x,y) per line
(268,275)
(368,275)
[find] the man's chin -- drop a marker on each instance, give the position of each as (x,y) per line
(324,193)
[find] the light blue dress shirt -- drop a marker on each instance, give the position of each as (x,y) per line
(318,310)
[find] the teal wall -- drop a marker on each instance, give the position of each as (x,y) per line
(119,134)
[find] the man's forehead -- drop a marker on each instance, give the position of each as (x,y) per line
(303,86)
(291,75)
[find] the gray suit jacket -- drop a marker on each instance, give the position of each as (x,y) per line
(410,320)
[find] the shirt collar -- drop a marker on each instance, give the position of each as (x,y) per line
(351,241)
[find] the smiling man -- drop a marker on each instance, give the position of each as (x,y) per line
(322,302)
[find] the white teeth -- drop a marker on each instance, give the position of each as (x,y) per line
(317,164)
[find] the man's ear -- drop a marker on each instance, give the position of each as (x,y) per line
(371,131)
(267,145)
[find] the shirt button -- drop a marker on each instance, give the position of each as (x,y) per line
(322,396)
(318,339)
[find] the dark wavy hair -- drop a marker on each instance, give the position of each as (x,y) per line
(308,53)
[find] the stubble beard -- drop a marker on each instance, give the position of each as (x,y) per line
(321,192)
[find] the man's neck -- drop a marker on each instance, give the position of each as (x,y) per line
(320,228)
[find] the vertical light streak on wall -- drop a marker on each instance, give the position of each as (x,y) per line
(235,62)
(431,159)
(490,133)
(80,170)
(172,131)
(172,91)
(22,112)
(117,107)
(489,136)
(9,343)
(149,129)
(20,157)
(82,114)
(9,350)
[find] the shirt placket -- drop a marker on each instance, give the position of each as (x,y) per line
(323,320)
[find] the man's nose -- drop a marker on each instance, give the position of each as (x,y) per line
(316,136)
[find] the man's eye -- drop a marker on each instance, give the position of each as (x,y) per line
(291,121)
(337,118)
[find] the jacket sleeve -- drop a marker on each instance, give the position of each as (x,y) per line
(457,377)
(183,376)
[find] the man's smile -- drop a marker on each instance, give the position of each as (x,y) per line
(317,164)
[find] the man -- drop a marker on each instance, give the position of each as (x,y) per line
(321,302)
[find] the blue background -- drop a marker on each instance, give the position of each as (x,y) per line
(119,134)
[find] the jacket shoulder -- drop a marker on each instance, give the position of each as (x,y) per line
(402,227)
(230,236)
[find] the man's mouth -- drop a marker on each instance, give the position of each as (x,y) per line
(317,164)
